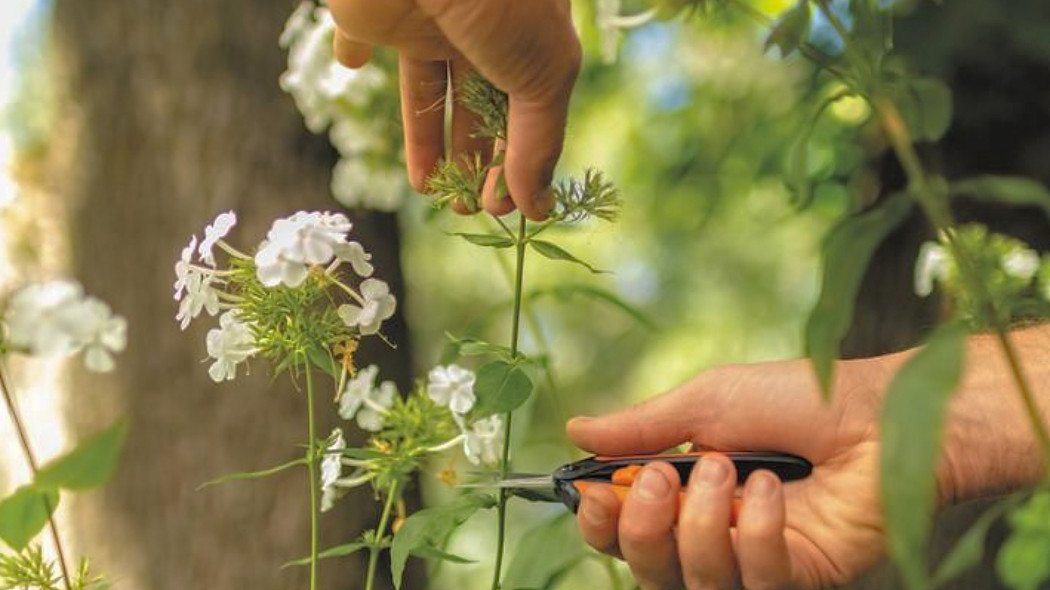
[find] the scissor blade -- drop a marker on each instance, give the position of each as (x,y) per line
(535,488)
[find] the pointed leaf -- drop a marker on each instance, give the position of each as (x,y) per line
(322,359)
(337,551)
(428,552)
(487,240)
(556,252)
(500,388)
(430,527)
(253,474)
(911,431)
(475,347)
(567,291)
(1008,190)
(24,514)
(88,465)
(846,250)
(969,548)
(790,30)
(544,553)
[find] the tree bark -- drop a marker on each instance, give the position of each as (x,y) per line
(171,113)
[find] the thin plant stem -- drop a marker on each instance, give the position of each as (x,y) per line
(937,210)
(373,555)
(504,466)
(311,467)
(615,581)
(27,450)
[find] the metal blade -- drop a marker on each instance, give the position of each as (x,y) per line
(535,488)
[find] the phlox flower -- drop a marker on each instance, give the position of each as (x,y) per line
(1021,263)
(333,484)
(932,265)
(452,386)
(200,296)
(294,243)
(482,442)
(364,401)
(55,319)
(215,232)
(230,344)
(378,305)
(184,267)
(354,254)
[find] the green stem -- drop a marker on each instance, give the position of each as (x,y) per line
(311,464)
(504,467)
(615,581)
(373,551)
(27,450)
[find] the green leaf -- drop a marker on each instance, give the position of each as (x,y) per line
(872,30)
(88,465)
(430,527)
(337,551)
(790,30)
(911,431)
(846,252)
(544,553)
(926,105)
(475,347)
(1022,562)
(798,162)
(1008,190)
(556,252)
(501,387)
(565,292)
(487,240)
(969,548)
(322,359)
(428,552)
(254,474)
(24,514)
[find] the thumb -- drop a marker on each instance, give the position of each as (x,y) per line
(649,427)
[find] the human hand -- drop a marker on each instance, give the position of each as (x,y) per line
(820,531)
(527,49)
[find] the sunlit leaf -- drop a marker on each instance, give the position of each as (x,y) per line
(24,514)
(337,551)
(1023,563)
(798,163)
(544,553)
(88,465)
(487,240)
(969,549)
(555,252)
(589,291)
(846,251)
(430,527)
(475,347)
(791,29)
(254,474)
(1016,191)
(500,388)
(911,431)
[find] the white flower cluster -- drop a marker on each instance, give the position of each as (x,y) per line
(55,319)
(293,246)
(340,100)
(935,264)
(363,400)
(453,386)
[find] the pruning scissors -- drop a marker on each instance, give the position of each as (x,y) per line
(568,482)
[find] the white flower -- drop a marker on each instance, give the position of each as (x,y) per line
(297,23)
(363,400)
(183,268)
(294,243)
(230,344)
(483,443)
(1021,263)
(200,295)
(357,184)
(931,266)
(101,334)
(332,464)
(355,254)
(452,386)
(378,306)
(56,319)
(215,232)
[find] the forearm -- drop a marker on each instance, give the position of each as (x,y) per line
(989,440)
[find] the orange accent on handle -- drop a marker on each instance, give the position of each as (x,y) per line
(622,490)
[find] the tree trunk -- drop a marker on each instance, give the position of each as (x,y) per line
(171,113)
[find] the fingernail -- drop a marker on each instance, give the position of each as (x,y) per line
(594,513)
(712,474)
(761,486)
(652,485)
(544,200)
